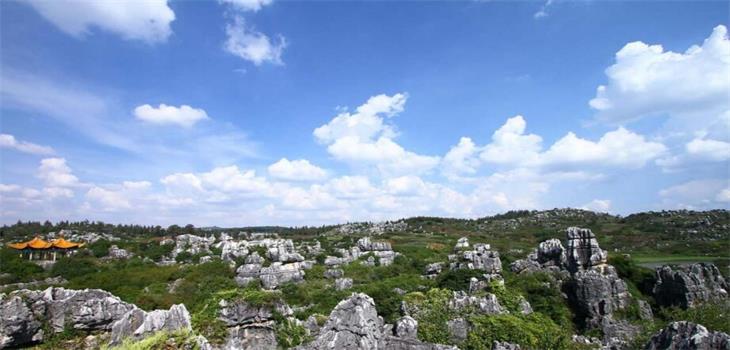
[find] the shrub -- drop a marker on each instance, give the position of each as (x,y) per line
(100,248)
(642,278)
(19,269)
(534,331)
(289,334)
(432,312)
(544,295)
(74,266)
(457,279)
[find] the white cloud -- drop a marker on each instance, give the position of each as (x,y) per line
(184,115)
(296,170)
(9,141)
(697,194)
(364,137)
(510,145)
(724,195)
(251,45)
(247,5)
(352,187)
(598,205)
(55,173)
(619,148)
(366,123)
(147,20)
(107,199)
(232,179)
(713,150)
(543,12)
(461,159)
(645,80)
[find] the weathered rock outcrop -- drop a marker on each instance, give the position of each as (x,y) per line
(550,255)
(583,251)
(24,313)
(689,285)
(118,253)
(485,305)
(685,335)
(479,258)
(250,326)
(137,323)
(354,325)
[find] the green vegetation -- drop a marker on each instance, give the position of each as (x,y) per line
(651,238)
(160,341)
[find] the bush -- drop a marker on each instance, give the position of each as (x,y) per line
(544,295)
(74,266)
(534,331)
(432,312)
(19,269)
(642,278)
(457,279)
(100,248)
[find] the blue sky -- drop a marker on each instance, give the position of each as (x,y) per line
(247,112)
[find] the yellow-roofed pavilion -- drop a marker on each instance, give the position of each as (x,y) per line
(39,249)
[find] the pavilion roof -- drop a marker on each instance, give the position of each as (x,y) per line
(38,243)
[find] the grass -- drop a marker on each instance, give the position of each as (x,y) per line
(641,259)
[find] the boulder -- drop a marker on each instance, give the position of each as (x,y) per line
(250,326)
(485,305)
(406,327)
(583,251)
(278,274)
(118,253)
(685,335)
(497,345)
(480,258)
(433,270)
(334,273)
(458,330)
(353,324)
(137,324)
(343,283)
(596,294)
(690,285)
(24,313)
(462,243)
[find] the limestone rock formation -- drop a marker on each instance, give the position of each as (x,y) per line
(278,274)
(354,325)
(433,270)
(583,251)
(486,304)
(685,335)
(689,285)
(250,326)
(118,253)
(479,258)
(343,283)
(137,323)
(25,313)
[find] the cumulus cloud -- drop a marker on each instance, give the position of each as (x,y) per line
(646,80)
(697,194)
(9,141)
(148,20)
(365,137)
(55,173)
(184,115)
(247,5)
(510,144)
(461,159)
(253,46)
(296,170)
(598,205)
(620,148)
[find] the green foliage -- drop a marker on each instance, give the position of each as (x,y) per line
(508,298)
(184,256)
(289,334)
(74,266)
(642,278)
(457,279)
(713,315)
(318,294)
(17,268)
(99,248)
(543,293)
(160,341)
(534,331)
(154,250)
(432,312)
